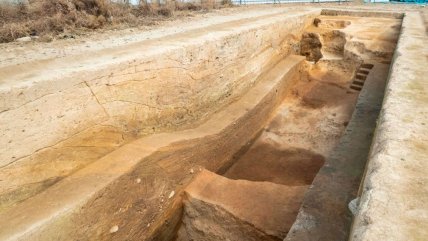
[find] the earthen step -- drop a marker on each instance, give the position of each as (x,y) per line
(218,208)
(291,166)
(361,77)
(354,87)
(363,72)
(367,66)
(356,82)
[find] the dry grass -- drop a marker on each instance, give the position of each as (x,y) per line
(47,18)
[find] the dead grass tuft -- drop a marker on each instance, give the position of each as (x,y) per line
(180,6)
(165,11)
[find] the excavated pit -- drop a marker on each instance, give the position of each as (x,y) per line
(307,129)
(240,163)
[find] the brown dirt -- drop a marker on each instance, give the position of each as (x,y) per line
(310,46)
(323,94)
(333,24)
(218,208)
(267,163)
(334,42)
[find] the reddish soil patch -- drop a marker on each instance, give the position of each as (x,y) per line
(265,162)
(324,94)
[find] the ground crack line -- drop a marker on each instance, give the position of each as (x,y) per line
(96,98)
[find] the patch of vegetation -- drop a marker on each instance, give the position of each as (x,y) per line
(48,18)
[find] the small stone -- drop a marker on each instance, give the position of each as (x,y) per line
(317,21)
(353,206)
(23,39)
(114,229)
(148,225)
(171,195)
(191,171)
(138,180)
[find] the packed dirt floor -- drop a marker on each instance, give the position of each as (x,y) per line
(271,180)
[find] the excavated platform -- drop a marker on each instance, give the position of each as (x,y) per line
(218,208)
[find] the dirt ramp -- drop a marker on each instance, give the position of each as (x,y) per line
(218,208)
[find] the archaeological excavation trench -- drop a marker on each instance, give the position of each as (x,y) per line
(253,132)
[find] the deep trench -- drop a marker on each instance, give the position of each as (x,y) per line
(308,128)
